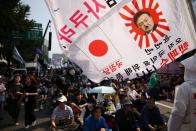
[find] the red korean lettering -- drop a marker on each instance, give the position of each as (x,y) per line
(106,71)
(164,62)
(78,18)
(97,6)
(112,67)
(65,34)
(118,63)
(183,47)
(172,55)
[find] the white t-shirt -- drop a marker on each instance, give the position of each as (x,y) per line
(59,114)
(133,94)
(181,114)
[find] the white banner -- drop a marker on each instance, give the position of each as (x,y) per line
(122,38)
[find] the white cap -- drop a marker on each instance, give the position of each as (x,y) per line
(62,99)
(88,83)
(121,89)
(128,82)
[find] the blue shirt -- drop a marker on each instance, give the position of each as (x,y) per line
(90,124)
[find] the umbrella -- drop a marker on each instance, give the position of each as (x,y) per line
(102,90)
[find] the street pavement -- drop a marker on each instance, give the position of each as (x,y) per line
(43,118)
(165,108)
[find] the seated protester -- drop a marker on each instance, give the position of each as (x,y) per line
(95,122)
(79,107)
(86,90)
(122,94)
(100,99)
(62,116)
(117,101)
(91,103)
(126,118)
(109,105)
(140,103)
(109,110)
(144,90)
(151,116)
(132,93)
(92,99)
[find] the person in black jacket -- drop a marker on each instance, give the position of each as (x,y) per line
(126,118)
(15,97)
(140,103)
(151,116)
(30,93)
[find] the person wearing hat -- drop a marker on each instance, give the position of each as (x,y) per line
(183,113)
(126,118)
(62,116)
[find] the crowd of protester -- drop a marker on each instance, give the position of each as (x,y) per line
(132,107)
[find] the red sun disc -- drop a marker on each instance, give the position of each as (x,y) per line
(98,48)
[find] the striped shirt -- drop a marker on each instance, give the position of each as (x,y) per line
(59,114)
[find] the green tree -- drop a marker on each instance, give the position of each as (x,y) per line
(13,18)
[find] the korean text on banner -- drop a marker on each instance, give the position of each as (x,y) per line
(122,38)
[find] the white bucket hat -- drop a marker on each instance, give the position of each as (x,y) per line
(190,63)
(62,99)
(190,68)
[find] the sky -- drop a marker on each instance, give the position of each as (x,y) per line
(39,12)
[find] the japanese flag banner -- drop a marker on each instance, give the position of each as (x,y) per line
(122,38)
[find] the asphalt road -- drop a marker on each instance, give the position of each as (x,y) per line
(43,118)
(165,108)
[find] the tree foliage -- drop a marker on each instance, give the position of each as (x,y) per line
(13,17)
